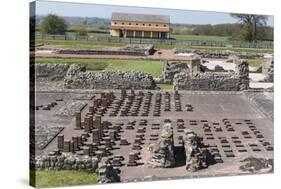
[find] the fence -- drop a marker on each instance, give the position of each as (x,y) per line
(209,43)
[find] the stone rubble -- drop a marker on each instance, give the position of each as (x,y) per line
(163,151)
(106,172)
(257,165)
(196,157)
(220,53)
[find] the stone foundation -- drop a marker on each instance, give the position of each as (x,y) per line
(129,50)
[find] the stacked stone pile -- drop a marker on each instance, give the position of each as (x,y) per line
(162,153)
(196,155)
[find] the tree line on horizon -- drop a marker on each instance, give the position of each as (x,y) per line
(249,28)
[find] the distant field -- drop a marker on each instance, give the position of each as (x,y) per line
(76,44)
(148,66)
(198,37)
(63,178)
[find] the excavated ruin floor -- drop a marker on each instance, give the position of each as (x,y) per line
(235,125)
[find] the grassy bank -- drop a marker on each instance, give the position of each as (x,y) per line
(153,67)
(254,62)
(62,178)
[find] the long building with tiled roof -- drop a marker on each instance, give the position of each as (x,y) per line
(131,25)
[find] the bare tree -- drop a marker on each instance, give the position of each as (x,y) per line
(253,21)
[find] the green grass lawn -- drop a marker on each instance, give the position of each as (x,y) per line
(153,67)
(255,62)
(165,87)
(199,37)
(62,178)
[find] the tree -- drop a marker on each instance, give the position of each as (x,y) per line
(253,22)
(53,24)
(246,33)
(80,30)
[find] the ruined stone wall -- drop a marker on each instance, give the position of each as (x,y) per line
(173,68)
(107,80)
(170,69)
(215,81)
(66,162)
(242,70)
(207,81)
(51,72)
(268,69)
(76,77)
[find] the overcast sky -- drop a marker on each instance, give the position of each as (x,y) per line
(104,11)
